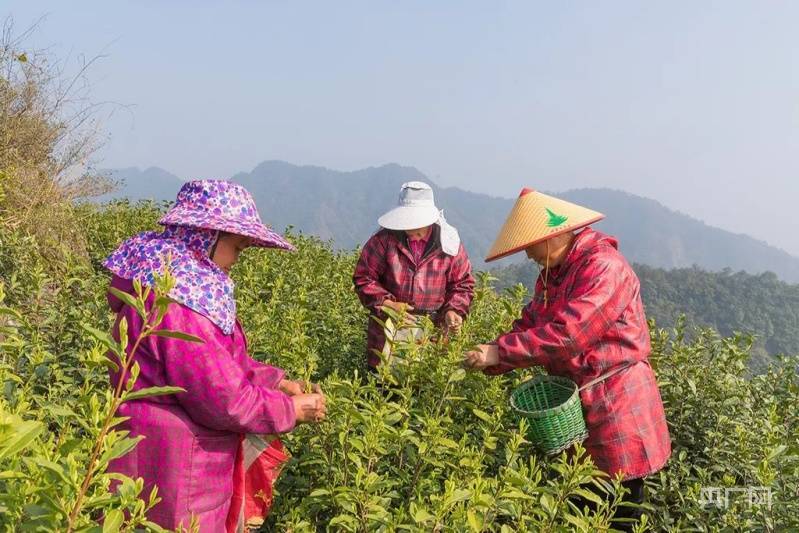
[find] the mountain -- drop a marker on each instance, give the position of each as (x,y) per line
(652,234)
(344,206)
(135,184)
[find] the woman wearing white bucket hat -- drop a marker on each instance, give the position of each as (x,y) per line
(415,262)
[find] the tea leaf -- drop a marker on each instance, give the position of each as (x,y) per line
(150,392)
(177,335)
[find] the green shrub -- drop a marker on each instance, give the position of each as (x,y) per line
(426,447)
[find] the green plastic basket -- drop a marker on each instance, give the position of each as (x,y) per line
(551,404)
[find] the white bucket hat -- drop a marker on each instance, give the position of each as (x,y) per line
(417,209)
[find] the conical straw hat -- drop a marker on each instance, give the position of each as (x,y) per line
(537,217)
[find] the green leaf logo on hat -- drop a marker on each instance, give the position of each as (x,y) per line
(555,220)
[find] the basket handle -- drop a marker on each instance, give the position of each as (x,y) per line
(606,375)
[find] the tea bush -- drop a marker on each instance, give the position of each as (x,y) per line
(423,447)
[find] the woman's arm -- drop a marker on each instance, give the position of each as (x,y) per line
(600,295)
(220,393)
(263,375)
(368,271)
(460,285)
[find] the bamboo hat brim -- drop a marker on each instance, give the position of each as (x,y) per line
(537,217)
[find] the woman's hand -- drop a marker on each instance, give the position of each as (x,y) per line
(484,356)
(402,308)
(309,407)
(452,322)
(293,388)
(398,307)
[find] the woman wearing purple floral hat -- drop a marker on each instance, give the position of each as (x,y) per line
(192,439)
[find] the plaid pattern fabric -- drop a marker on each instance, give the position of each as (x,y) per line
(192,438)
(387,270)
(594,322)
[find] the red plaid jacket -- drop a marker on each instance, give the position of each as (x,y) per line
(386,270)
(594,323)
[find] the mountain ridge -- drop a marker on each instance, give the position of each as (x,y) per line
(344,206)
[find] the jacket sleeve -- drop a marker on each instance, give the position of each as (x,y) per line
(600,294)
(260,374)
(520,324)
(263,375)
(368,270)
(460,285)
(220,393)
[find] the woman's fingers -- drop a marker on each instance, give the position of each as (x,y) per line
(310,407)
(453,321)
(476,359)
(321,408)
(292,388)
(398,306)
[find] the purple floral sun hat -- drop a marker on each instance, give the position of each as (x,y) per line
(203,209)
(223,206)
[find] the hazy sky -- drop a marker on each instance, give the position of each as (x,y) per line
(693,103)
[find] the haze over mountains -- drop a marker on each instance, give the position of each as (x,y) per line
(344,206)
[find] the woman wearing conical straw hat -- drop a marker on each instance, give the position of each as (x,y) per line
(585,322)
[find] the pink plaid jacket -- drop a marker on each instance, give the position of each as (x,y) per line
(594,323)
(191,439)
(387,270)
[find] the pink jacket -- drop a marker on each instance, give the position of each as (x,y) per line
(191,438)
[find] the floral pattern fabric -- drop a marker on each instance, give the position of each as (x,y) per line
(203,209)
(200,284)
(223,206)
